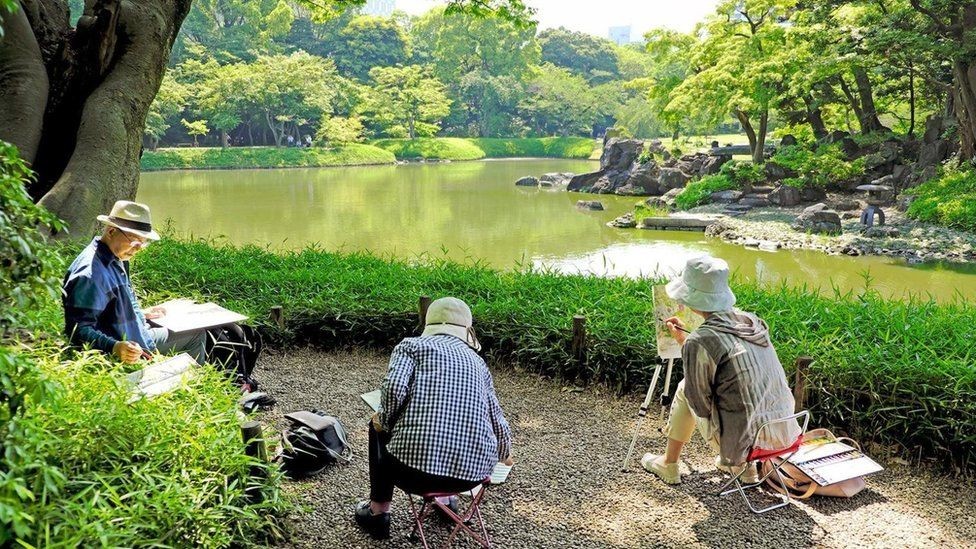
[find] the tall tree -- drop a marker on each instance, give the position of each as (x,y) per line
(583,54)
(75,100)
(369,42)
(409,98)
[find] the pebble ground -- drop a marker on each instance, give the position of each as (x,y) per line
(568,490)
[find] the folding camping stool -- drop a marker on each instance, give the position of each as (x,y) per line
(461,521)
(758,455)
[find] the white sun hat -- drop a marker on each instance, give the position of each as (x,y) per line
(451,316)
(704,285)
(131,217)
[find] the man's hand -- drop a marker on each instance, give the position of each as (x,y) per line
(674,325)
(153,313)
(127,351)
(376,423)
(510,460)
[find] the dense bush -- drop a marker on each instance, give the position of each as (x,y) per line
(697,192)
(878,375)
(818,168)
(26,273)
(350,154)
(948,200)
(743,173)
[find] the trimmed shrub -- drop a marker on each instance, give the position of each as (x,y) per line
(948,200)
(743,173)
(697,192)
(205,158)
(818,169)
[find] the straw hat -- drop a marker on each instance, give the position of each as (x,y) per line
(131,217)
(704,285)
(451,316)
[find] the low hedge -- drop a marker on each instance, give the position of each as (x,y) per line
(352,154)
(896,372)
(463,148)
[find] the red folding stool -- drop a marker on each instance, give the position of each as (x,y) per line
(758,455)
(461,521)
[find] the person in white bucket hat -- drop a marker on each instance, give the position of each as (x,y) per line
(101,310)
(733,380)
(439,427)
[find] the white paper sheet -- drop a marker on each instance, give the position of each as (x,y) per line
(183,315)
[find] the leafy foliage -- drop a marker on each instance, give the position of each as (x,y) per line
(697,192)
(743,173)
(818,168)
(405,101)
(585,55)
(27,268)
(340,130)
(948,200)
(349,154)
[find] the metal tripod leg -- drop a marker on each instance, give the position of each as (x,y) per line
(641,413)
(667,387)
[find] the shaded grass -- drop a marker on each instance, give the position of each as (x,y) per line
(351,154)
(948,200)
(463,148)
(896,372)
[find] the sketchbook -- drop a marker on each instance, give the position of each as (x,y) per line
(183,315)
(161,377)
(664,308)
(372,399)
(827,461)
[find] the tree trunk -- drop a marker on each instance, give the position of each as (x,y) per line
(964,106)
(815,118)
(410,128)
(750,132)
(102,77)
(759,150)
(869,114)
(23,85)
(911,102)
(224,139)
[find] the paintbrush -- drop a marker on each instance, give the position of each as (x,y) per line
(675,325)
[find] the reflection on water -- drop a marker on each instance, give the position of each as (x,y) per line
(471,211)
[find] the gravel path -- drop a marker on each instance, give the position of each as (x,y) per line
(567,489)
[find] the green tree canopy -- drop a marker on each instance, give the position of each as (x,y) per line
(368,42)
(583,54)
(406,100)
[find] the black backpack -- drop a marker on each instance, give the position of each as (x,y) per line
(235,349)
(312,442)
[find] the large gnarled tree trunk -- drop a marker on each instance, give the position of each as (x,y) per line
(78,97)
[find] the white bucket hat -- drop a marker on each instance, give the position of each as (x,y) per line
(131,217)
(451,316)
(704,285)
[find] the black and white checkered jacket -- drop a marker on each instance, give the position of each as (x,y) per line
(439,404)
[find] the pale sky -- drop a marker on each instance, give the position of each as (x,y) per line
(596,16)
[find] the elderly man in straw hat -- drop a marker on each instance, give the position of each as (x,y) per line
(733,381)
(439,427)
(100,308)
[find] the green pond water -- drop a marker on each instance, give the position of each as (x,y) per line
(470,211)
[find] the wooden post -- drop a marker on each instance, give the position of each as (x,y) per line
(800,384)
(424,303)
(254,446)
(579,338)
(278,317)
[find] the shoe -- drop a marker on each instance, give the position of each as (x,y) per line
(749,477)
(668,472)
(377,526)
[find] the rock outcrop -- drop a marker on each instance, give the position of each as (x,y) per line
(527,181)
(818,219)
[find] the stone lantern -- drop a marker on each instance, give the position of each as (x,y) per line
(878,195)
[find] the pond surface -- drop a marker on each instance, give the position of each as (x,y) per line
(471,211)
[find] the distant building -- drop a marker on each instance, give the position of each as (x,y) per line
(379,8)
(620,35)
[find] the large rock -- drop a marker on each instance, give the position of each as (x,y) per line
(583,181)
(787,141)
(672,178)
(643,180)
(775,172)
(812,194)
(725,197)
(844,204)
(713,164)
(818,219)
(593,205)
(785,195)
(669,197)
(691,164)
(527,181)
(619,154)
(556,178)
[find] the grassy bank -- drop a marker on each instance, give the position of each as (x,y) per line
(463,148)
(198,158)
(948,200)
(897,373)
